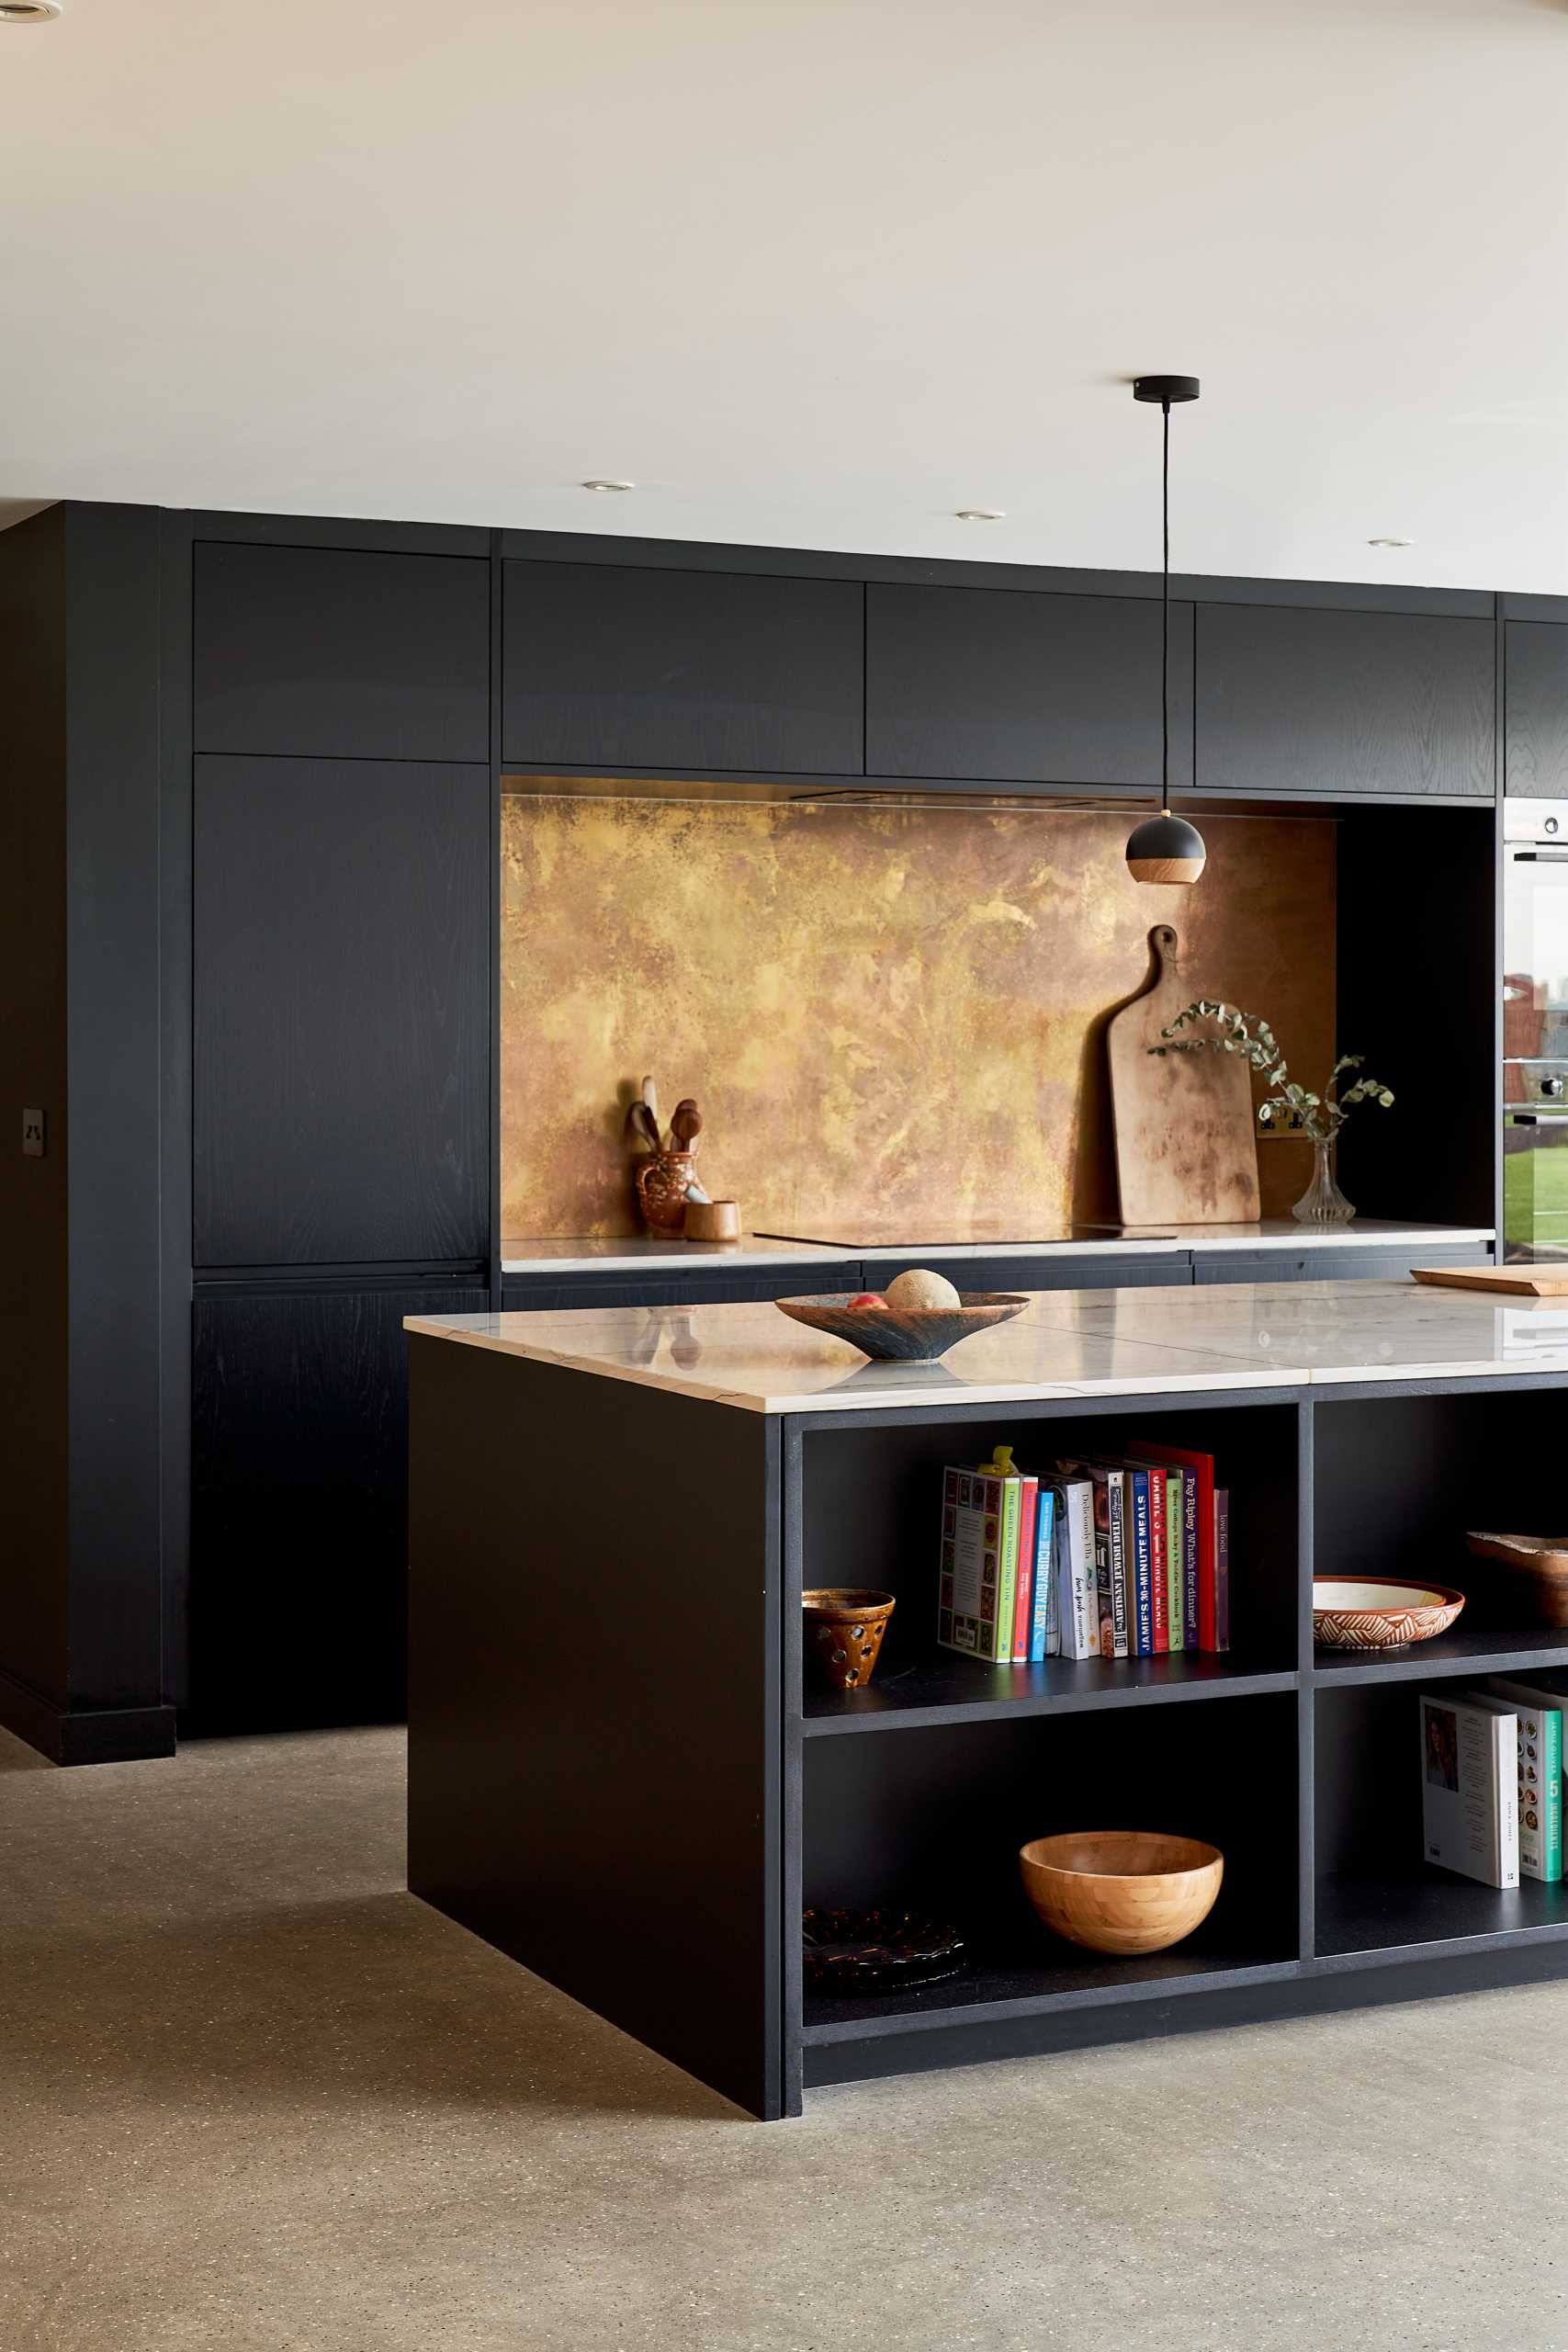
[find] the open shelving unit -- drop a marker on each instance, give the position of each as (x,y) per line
(1299,1764)
(621,1776)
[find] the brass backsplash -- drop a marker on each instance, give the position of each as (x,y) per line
(897,1011)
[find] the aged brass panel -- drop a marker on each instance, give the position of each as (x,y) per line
(890,1009)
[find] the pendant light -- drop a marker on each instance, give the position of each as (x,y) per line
(1165,848)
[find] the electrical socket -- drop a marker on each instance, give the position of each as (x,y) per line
(32,1135)
(1275,1122)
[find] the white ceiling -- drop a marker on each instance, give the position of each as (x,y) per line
(810,272)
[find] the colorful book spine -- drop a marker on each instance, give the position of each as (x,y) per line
(1175,1559)
(1003,1503)
(1190,1558)
(1222,1640)
(1139,1565)
(1202,1608)
(1045,1618)
(1541,1760)
(1023,1598)
(1158,1576)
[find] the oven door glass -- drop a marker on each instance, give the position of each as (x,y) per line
(1535,1054)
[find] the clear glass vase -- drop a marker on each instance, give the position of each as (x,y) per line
(1323,1203)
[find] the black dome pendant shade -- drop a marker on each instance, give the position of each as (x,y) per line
(1165,848)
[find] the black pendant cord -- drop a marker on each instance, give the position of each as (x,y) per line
(1165,623)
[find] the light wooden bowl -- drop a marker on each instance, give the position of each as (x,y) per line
(1379,1612)
(904,1335)
(1122,1891)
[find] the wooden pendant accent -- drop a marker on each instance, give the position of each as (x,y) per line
(1165,870)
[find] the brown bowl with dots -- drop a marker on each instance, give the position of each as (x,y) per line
(844,1632)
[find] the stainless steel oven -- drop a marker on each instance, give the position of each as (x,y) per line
(1534,1029)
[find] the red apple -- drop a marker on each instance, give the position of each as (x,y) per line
(868,1299)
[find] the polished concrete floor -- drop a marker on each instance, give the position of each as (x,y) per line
(251,2096)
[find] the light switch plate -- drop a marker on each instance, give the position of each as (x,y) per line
(32,1135)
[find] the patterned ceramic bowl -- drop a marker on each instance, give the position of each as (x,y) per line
(1385,1613)
(904,1335)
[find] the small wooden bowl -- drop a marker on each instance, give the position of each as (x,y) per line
(843,1632)
(1529,1583)
(1122,1891)
(911,1335)
(712,1220)
(1379,1612)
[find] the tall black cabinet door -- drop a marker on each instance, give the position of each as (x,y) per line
(1006,686)
(298,1599)
(610,666)
(1535,705)
(1301,700)
(342,1030)
(341,652)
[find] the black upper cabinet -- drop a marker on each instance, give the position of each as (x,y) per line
(608,666)
(341,1093)
(1320,701)
(1004,686)
(324,653)
(1535,655)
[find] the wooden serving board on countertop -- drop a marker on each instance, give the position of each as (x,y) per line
(1185,1148)
(1523,1282)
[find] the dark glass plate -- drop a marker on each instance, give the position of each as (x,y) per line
(877,1950)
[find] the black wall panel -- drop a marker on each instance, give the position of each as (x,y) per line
(1332,702)
(617,667)
(1010,687)
(331,652)
(341,1100)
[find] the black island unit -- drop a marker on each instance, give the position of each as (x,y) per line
(619,1774)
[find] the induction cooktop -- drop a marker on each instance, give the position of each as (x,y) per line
(952,1233)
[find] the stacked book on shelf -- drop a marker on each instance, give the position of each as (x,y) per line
(1085,1558)
(1492,1760)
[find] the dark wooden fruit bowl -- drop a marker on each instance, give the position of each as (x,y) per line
(912,1335)
(1528,1583)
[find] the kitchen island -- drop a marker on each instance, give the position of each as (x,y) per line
(619,1776)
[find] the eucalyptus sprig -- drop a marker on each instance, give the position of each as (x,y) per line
(1321,1115)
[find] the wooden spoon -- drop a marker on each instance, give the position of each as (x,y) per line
(687,1125)
(651,1096)
(641,1122)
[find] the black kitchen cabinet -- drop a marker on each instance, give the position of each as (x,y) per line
(1535,706)
(341,1078)
(1326,702)
(299,1504)
(331,652)
(547,1294)
(607,665)
(1323,1263)
(997,685)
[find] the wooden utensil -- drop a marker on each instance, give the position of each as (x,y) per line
(687,1125)
(1523,1282)
(641,1122)
(651,1096)
(1186,1152)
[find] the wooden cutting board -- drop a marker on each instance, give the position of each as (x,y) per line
(1185,1149)
(1523,1282)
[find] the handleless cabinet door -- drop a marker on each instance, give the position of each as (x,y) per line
(342,993)
(299,1502)
(334,652)
(1297,700)
(1535,704)
(609,665)
(1006,686)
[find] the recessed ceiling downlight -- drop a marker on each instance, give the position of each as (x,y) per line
(979,514)
(1389,543)
(597,483)
(30,12)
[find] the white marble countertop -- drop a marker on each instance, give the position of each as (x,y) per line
(1065,1343)
(657,1253)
